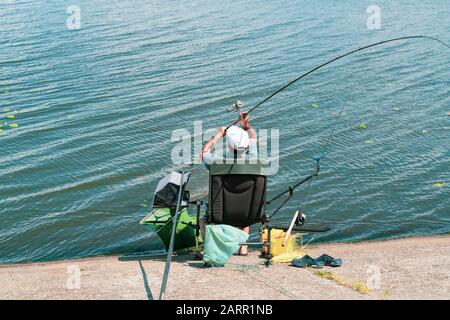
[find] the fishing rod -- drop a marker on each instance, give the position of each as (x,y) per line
(299,216)
(238,105)
(331,61)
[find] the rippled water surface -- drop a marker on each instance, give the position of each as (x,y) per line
(94,110)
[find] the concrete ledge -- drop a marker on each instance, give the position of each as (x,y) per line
(413,268)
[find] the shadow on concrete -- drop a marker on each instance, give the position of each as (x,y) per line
(146,286)
(183,257)
(196,264)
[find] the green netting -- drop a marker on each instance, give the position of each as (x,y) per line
(221,242)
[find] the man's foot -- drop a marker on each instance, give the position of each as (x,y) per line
(243,251)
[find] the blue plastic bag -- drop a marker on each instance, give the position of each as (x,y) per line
(221,242)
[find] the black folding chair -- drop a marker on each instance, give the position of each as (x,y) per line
(237,197)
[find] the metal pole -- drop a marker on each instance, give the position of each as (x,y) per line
(197,226)
(162,292)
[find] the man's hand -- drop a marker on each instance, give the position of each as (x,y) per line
(244,120)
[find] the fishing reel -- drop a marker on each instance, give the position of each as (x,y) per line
(237,106)
(301,219)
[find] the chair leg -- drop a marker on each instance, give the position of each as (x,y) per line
(268,256)
(197,229)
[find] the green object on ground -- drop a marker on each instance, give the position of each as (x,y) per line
(221,242)
(369,141)
(362,126)
(13,125)
(314,105)
(157,221)
(11,116)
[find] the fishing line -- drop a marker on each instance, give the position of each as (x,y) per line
(325,150)
(335,59)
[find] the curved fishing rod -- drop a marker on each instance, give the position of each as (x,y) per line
(335,59)
(309,179)
(324,151)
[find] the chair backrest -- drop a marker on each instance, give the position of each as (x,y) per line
(237,194)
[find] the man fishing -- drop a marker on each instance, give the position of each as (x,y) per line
(240,146)
(240,142)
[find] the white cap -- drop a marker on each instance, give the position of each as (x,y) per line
(237,138)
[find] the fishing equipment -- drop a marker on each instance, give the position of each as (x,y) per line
(183,178)
(298,218)
(237,197)
(237,106)
(336,59)
(221,242)
(277,248)
(166,192)
(237,192)
(160,221)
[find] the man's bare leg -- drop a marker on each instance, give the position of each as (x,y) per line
(243,251)
(202,224)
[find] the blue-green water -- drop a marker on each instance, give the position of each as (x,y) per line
(95,109)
